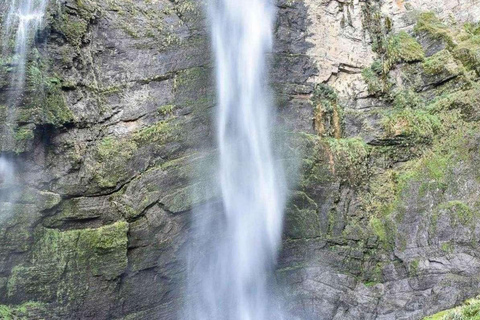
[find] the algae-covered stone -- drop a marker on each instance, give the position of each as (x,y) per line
(402,47)
(440,67)
(26,311)
(90,252)
(413,124)
(303,218)
(468,52)
(469,310)
(438,35)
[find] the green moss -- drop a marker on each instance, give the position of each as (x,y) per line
(160,132)
(459,212)
(472,28)
(25,311)
(408,99)
(72,27)
(113,158)
(166,109)
(413,267)
(447,247)
(429,23)
(395,48)
(61,262)
(389,192)
(113,155)
(328,113)
(438,316)
(316,165)
(377,25)
(23,134)
(467,102)
(402,47)
(418,125)
(46,103)
(468,52)
(349,159)
(369,284)
(378,228)
(111,147)
(470,310)
(323,92)
(302,219)
(442,63)
(377,82)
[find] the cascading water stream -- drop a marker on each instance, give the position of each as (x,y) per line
(23,19)
(229,279)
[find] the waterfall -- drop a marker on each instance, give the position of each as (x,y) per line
(230,273)
(8,194)
(22,21)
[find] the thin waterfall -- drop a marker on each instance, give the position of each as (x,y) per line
(23,20)
(236,241)
(8,194)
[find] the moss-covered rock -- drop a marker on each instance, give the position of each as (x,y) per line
(469,310)
(376,80)
(26,311)
(467,102)
(468,52)
(328,113)
(402,47)
(98,252)
(303,218)
(113,156)
(46,103)
(443,65)
(417,125)
(430,24)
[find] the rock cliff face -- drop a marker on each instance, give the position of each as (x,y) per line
(379,101)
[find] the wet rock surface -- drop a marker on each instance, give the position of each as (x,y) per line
(382,218)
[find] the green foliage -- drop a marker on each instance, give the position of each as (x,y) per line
(408,99)
(323,92)
(467,102)
(419,125)
(447,247)
(377,67)
(472,28)
(441,62)
(470,310)
(157,133)
(24,311)
(113,158)
(402,47)
(166,109)
(72,27)
(459,212)
(413,267)
(377,24)
(349,158)
(429,23)
(378,227)
(45,103)
(468,52)
(328,113)
(23,134)
(377,83)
